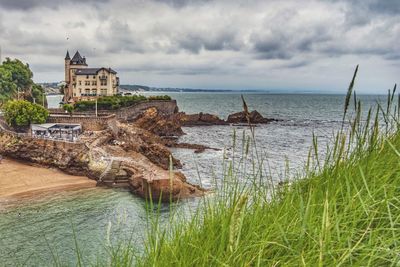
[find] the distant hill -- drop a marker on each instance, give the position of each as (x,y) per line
(134,87)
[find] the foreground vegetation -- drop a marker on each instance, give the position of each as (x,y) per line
(115,102)
(345,212)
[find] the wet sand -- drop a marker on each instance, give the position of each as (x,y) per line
(21,180)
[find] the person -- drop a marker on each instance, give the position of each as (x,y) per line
(1,158)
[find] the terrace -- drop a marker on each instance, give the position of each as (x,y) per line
(56,131)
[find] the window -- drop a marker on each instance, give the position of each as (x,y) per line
(80,82)
(94,77)
(103,82)
(87,76)
(94,83)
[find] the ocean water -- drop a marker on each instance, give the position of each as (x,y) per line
(32,231)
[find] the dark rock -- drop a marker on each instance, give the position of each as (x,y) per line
(200,119)
(254,118)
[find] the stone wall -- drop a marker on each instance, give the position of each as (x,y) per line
(166,107)
(89,123)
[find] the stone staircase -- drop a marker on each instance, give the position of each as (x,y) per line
(113,175)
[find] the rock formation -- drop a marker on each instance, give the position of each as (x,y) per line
(200,119)
(134,155)
(158,123)
(253,118)
(133,158)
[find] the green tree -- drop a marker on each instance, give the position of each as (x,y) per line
(37,95)
(69,108)
(21,74)
(22,113)
(7,87)
(16,76)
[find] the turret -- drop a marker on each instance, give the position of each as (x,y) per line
(67,62)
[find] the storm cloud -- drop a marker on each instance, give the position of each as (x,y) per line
(211,44)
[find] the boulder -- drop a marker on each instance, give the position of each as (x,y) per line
(254,117)
(200,119)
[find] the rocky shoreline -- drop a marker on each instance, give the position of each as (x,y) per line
(130,154)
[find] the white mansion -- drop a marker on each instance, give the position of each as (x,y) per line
(83,83)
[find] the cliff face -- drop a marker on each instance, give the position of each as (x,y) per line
(158,123)
(69,157)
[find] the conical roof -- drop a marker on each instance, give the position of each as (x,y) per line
(77,59)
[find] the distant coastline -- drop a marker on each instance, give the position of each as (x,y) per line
(51,88)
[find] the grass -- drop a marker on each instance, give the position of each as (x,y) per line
(344,211)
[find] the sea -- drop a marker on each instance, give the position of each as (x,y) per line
(55,227)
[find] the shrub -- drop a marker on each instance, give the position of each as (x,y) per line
(159,97)
(69,108)
(115,102)
(22,113)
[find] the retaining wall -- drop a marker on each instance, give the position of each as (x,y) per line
(89,123)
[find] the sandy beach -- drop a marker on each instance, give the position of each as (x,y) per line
(19,179)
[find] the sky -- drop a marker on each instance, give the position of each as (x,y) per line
(266,44)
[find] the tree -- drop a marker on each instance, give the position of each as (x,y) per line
(69,108)
(7,87)
(19,113)
(21,74)
(37,93)
(16,76)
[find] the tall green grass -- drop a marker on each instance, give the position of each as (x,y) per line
(344,211)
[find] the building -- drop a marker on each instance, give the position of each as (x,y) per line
(56,131)
(83,83)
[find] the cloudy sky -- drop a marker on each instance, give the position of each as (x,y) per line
(227,44)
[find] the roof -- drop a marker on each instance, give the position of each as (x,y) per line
(87,71)
(53,126)
(77,59)
(93,71)
(67,56)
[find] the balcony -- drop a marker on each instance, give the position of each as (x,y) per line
(103,77)
(88,94)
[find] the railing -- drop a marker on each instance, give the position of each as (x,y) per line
(57,139)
